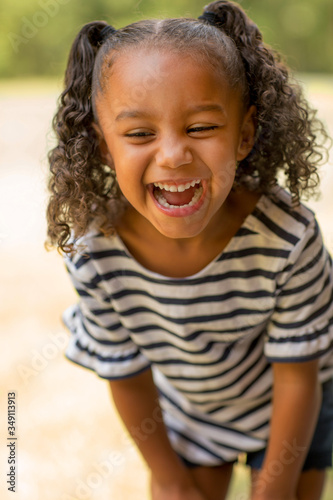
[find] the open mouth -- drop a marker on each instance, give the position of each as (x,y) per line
(179,198)
(173,196)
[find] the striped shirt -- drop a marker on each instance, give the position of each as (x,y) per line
(209,338)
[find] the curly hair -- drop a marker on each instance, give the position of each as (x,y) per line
(290,139)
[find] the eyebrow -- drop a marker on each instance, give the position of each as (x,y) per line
(207,107)
(131,114)
(143,114)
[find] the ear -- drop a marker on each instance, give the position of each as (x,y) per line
(103,148)
(247,134)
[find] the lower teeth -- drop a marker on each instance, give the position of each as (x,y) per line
(162,201)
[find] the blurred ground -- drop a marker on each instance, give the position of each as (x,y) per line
(70,443)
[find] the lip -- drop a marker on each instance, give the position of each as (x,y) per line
(178,182)
(181,211)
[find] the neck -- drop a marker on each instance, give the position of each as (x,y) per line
(183,257)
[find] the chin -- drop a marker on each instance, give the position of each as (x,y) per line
(181,231)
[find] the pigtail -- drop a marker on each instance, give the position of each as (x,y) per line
(289,136)
(80,184)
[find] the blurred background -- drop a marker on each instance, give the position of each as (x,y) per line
(70,443)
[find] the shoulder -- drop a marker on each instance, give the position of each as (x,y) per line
(277,217)
(91,253)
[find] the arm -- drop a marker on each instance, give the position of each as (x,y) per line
(136,400)
(296,404)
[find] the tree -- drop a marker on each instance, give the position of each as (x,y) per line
(37,34)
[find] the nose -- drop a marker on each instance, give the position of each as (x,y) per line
(173,151)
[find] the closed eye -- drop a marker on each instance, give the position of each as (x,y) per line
(138,134)
(202,129)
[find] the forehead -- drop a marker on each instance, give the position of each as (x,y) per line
(147,76)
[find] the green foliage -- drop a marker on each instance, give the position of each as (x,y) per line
(36,34)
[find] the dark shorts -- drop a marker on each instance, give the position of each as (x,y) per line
(320,451)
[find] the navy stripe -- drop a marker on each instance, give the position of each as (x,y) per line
(102,254)
(311,300)
(244,231)
(177,361)
(200,445)
(309,265)
(105,359)
(101,341)
(257,408)
(314,236)
(261,426)
(300,359)
(210,363)
(107,277)
(81,261)
(124,376)
(307,337)
(225,371)
(192,336)
(278,230)
(247,369)
(92,284)
(113,327)
(257,272)
(194,319)
(205,423)
(192,300)
(264,370)
(304,286)
(234,381)
(247,252)
(298,324)
(83,293)
(290,211)
(199,352)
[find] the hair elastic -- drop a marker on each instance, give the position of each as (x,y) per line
(105,33)
(212,18)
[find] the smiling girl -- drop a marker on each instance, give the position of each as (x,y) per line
(205,289)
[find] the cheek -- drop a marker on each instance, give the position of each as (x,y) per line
(129,179)
(224,172)
(223,183)
(130,166)
(126,155)
(123,162)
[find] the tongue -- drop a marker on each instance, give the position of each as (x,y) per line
(182,198)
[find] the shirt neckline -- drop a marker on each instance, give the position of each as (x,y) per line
(248,223)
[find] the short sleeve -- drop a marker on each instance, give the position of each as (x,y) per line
(98,341)
(301,327)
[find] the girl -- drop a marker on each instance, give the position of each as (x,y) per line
(205,290)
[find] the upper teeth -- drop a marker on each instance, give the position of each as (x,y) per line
(174,189)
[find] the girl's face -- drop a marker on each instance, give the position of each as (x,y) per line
(173,130)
